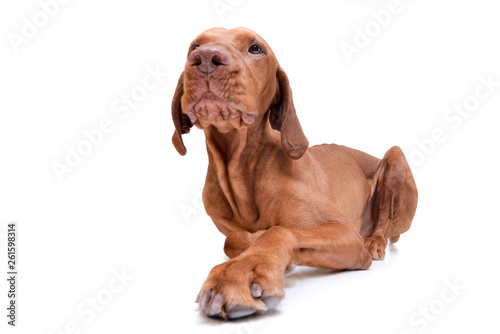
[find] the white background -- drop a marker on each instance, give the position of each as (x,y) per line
(133,203)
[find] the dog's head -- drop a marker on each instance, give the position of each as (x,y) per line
(232,80)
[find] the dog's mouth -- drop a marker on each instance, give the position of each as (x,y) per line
(210,109)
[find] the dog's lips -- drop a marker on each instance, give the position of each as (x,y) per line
(248,118)
(211,108)
(192,117)
(211,96)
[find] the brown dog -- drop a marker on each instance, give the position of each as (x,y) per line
(279,202)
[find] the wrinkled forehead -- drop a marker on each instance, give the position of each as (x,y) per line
(237,37)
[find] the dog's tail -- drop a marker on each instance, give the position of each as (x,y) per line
(394,239)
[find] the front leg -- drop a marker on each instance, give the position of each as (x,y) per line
(252,281)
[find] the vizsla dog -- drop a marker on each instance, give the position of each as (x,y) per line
(279,202)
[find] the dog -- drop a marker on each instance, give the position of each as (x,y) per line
(279,202)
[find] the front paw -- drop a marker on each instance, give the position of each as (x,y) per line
(242,286)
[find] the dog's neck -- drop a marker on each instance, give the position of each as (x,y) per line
(233,157)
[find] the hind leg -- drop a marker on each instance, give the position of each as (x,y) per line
(395,202)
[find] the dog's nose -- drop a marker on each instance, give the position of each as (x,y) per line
(207,58)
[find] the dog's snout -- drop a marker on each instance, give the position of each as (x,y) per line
(208,58)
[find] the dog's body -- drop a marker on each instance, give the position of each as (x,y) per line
(278,202)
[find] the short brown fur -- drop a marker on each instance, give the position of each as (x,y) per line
(279,202)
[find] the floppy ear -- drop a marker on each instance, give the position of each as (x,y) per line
(283,118)
(182,122)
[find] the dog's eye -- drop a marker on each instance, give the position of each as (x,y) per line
(194,47)
(255,49)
